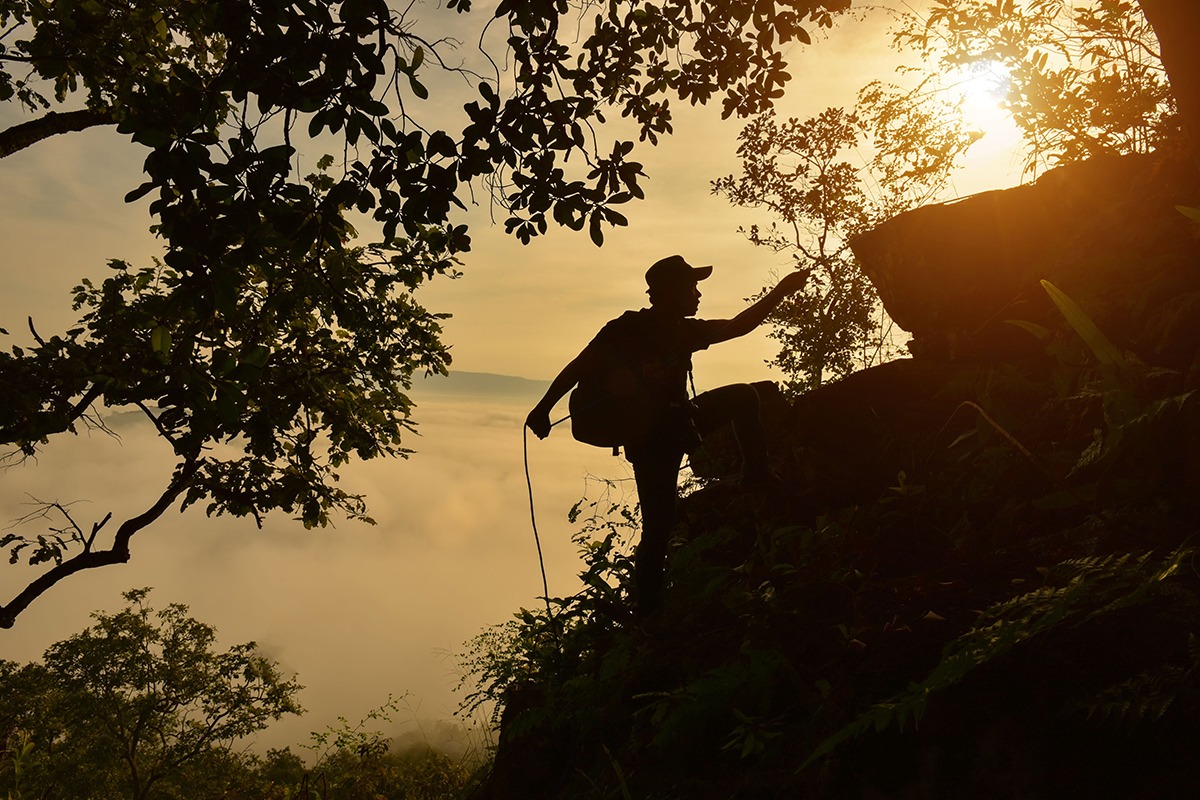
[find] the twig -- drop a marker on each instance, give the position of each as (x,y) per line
(33,330)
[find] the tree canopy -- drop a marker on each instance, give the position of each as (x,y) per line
(266,347)
(136,700)
(143,703)
(1082,79)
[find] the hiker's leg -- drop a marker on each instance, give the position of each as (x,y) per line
(739,404)
(656,473)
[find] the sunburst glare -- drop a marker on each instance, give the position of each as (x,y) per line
(983,86)
(980,89)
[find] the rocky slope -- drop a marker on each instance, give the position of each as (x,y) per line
(979,581)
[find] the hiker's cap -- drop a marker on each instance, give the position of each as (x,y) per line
(674,271)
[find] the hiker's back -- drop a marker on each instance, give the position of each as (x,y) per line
(636,371)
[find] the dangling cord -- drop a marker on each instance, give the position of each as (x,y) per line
(533,521)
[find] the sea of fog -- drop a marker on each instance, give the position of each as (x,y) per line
(358,612)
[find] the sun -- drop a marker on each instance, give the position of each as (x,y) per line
(982,87)
(995,158)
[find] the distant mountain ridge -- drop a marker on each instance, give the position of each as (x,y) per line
(479,384)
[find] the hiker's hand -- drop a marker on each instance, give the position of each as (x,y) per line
(794,281)
(538,421)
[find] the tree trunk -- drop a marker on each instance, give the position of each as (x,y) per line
(1177,25)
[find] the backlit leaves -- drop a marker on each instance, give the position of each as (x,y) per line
(1086,78)
(805,175)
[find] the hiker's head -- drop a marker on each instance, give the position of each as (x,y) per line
(673,283)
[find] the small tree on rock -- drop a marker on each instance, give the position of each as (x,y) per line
(810,177)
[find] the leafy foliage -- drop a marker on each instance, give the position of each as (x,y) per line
(1078,79)
(802,174)
(1026,589)
(1010,583)
(360,761)
(133,702)
(537,645)
(143,705)
(1084,79)
(635,58)
(1078,591)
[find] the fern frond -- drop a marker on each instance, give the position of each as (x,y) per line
(1090,587)
(1145,696)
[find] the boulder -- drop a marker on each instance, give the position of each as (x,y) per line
(1107,231)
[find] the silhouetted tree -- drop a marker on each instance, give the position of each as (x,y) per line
(1079,80)
(137,699)
(807,176)
(266,349)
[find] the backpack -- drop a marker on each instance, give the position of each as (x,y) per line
(612,407)
(622,398)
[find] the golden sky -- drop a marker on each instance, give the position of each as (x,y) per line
(360,612)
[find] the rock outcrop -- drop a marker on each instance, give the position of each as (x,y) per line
(1106,231)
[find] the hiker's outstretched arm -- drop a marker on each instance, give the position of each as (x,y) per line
(538,420)
(757,311)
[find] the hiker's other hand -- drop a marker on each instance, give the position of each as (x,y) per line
(538,421)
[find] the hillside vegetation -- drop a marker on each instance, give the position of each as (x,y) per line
(980,580)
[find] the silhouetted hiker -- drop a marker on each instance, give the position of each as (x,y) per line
(632,392)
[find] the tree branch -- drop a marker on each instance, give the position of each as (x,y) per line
(117,554)
(51,422)
(26,134)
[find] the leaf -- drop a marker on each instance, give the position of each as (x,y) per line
(139,192)
(962,437)
(616,218)
(376,108)
(152,137)
(1188,211)
(418,88)
(1106,352)
(595,231)
(1040,331)
(257,356)
(160,341)
(317,124)
(280,152)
